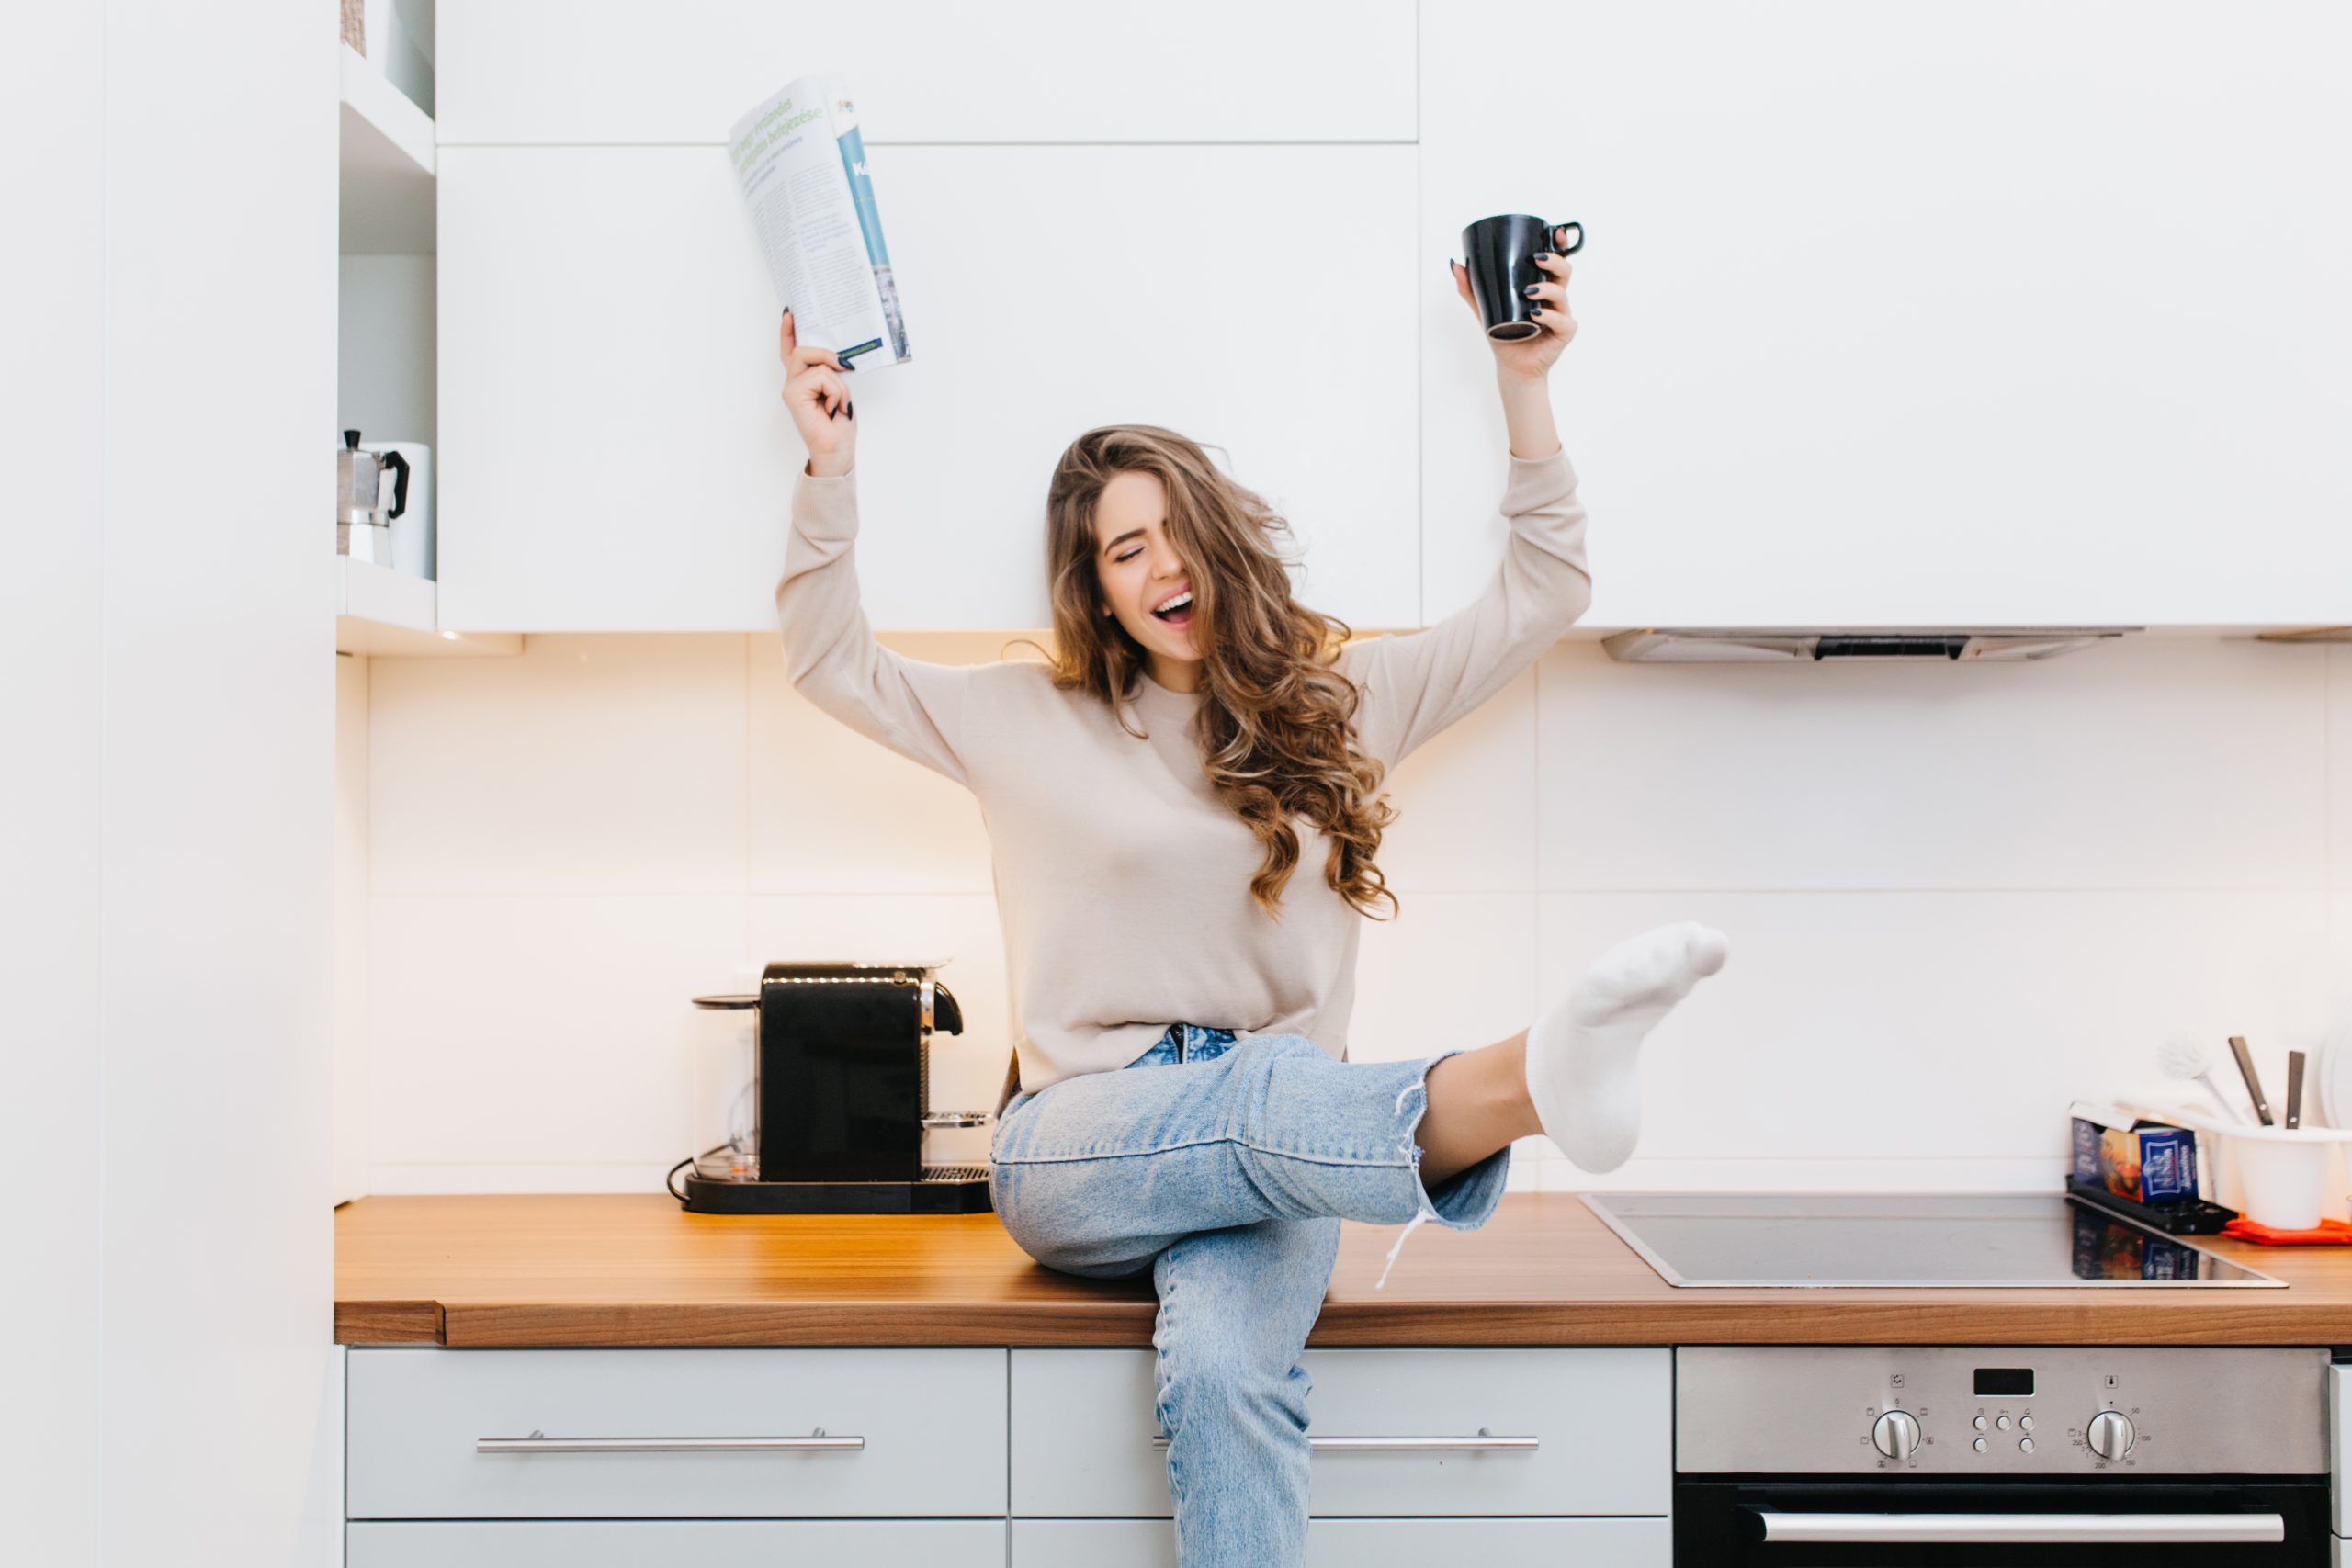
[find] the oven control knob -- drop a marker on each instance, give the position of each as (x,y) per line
(2111,1434)
(1896,1435)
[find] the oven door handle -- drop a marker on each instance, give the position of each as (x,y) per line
(2019,1528)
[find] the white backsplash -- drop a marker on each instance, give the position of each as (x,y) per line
(1958,897)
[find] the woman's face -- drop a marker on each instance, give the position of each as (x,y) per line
(1139,568)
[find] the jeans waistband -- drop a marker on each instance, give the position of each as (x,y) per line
(1187,1043)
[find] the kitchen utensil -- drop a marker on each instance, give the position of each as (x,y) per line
(1499,254)
(2182,1059)
(2335,1086)
(412,542)
(2253,1079)
(2282,1175)
(362,519)
(2294,1089)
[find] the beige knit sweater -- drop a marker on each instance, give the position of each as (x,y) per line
(1122,883)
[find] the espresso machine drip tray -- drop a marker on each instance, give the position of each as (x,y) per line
(938,1190)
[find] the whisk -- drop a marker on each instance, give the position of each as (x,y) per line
(2184,1060)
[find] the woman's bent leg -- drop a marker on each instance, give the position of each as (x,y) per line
(1099,1173)
(1235,1308)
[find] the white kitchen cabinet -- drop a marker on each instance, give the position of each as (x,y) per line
(642,70)
(1082,1430)
(634,1543)
(1947,313)
(1361,1543)
(930,1424)
(614,457)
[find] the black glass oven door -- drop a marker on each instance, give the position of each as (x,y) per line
(1762,1522)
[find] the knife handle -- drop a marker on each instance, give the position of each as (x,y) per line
(2253,1079)
(2294,1089)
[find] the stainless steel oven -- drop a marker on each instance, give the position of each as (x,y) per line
(1952,1455)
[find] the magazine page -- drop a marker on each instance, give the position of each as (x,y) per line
(801,164)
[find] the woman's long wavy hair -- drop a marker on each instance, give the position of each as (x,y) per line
(1276,727)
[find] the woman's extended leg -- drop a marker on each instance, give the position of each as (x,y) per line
(1479,1103)
(1234,1309)
(1099,1174)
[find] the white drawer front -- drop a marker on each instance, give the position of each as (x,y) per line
(2339,1445)
(931,1421)
(1364,1543)
(633,1543)
(1083,1425)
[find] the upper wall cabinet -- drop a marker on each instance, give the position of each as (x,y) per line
(613,453)
(1914,314)
(614,456)
(662,71)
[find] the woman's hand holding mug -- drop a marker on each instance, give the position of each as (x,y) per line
(819,398)
(1534,354)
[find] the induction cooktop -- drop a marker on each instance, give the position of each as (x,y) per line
(1876,1240)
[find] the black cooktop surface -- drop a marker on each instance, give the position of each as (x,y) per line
(1880,1239)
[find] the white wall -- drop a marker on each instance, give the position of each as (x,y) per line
(166,629)
(51,597)
(1958,896)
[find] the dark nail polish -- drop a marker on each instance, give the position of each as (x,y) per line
(853,410)
(847,365)
(1542,255)
(1530,290)
(1535,310)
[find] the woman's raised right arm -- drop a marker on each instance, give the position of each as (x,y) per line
(914,708)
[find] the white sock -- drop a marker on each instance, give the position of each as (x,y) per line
(1582,1055)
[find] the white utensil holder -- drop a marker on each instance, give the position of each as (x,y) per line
(2282,1174)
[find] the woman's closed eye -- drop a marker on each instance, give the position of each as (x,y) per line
(1129,556)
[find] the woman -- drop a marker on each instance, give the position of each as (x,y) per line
(1185,808)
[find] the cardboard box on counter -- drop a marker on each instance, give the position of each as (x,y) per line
(2146,1161)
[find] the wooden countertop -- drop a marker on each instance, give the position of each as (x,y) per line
(1544,1271)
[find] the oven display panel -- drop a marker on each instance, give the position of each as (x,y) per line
(2005,1382)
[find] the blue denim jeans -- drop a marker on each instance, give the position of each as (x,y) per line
(1224,1165)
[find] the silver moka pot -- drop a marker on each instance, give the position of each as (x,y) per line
(363,523)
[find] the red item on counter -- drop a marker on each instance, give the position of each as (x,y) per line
(2331,1232)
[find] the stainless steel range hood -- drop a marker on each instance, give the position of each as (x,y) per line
(1781,645)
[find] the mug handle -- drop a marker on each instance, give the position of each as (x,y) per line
(1551,228)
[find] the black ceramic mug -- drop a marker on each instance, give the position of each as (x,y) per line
(1501,254)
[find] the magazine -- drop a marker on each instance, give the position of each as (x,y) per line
(802,167)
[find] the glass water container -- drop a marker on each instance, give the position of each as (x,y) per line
(727,1088)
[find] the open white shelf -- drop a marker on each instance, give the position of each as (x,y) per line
(388,164)
(378,611)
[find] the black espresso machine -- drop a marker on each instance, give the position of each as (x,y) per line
(828,1108)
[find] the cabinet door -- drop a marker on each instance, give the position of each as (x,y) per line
(634,1543)
(1365,1543)
(1083,1430)
(614,457)
(1919,313)
(645,71)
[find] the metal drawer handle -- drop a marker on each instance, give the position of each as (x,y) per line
(540,1443)
(2021,1529)
(1483,1442)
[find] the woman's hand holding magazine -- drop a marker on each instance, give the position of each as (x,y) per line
(819,398)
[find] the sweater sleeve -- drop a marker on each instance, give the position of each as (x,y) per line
(914,708)
(1416,685)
